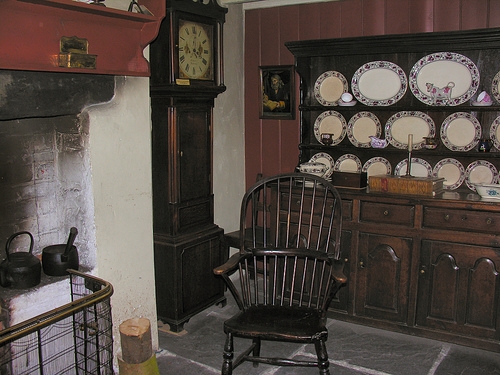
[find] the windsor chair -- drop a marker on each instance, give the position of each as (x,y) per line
(287,269)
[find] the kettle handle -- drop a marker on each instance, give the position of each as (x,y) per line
(14,236)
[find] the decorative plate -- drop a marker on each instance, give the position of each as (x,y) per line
(419,168)
(444,78)
(379,83)
(452,171)
(329,87)
(495,133)
(326,159)
(495,87)
(377,166)
(347,163)
(403,123)
(361,126)
(480,172)
(330,122)
(460,131)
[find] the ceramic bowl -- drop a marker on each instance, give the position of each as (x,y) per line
(317,169)
(488,190)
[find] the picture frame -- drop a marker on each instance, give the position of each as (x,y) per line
(277,88)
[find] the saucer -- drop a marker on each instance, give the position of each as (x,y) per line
(482,104)
(346,104)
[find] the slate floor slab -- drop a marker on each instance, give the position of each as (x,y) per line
(353,350)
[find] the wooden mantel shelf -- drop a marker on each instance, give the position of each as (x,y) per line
(31,30)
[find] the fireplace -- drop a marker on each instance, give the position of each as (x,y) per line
(76,146)
(45,167)
(75,151)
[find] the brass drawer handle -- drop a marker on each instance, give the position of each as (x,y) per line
(386,213)
(489,221)
(447,217)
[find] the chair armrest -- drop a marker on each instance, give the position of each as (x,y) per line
(230,266)
(226,270)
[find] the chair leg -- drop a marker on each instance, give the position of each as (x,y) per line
(227,365)
(322,354)
(256,350)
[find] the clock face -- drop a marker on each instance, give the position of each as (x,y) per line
(195,50)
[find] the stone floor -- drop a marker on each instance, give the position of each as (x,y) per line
(352,349)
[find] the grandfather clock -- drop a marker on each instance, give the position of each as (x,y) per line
(186,77)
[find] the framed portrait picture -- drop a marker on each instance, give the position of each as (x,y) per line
(277,85)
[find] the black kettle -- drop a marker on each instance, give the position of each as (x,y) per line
(21,270)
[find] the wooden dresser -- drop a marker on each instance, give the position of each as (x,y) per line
(426,266)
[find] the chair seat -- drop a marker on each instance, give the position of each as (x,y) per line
(296,324)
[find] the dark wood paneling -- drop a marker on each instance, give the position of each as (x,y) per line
(446,15)
(330,19)
(351,21)
(309,25)
(289,129)
(421,16)
(289,136)
(494,14)
(253,154)
(474,14)
(288,16)
(270,40)
(373,14)
(397,17)
(270,147)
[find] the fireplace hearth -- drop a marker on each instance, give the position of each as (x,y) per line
(44,164)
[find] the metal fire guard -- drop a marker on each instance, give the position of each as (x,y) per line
(75,338)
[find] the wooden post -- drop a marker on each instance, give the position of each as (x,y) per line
(136,343)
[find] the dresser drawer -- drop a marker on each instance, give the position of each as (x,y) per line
(477,221)
(387,213)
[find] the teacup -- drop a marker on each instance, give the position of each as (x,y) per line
(346,97)
(327,138)
(431,142)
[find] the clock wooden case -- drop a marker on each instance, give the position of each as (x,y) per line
(186,77)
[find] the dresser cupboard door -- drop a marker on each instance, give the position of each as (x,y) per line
(382,281)
(459,289)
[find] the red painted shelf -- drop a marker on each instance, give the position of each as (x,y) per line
(30,33)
